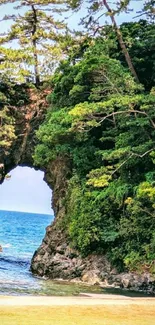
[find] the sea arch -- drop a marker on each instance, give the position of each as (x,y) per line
(27,109)
(55,258)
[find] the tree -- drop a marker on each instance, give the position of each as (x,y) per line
(148,10)
(120,38)
(103,122)
(139,40)
(94,18)
(37,34)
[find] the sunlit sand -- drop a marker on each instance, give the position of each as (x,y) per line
(85,310)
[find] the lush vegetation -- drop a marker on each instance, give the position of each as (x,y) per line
(101,118)
(103,121)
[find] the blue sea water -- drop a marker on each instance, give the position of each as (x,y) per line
(21,233)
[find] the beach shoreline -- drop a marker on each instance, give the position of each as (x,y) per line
(92,309)
(82,300)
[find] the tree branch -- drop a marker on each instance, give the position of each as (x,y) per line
(121,41)
(129,157)
(128,111)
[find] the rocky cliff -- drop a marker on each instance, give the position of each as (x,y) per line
(55,258)
(25,110)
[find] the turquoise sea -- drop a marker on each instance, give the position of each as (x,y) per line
(21,233)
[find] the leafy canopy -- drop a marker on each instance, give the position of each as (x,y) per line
(104,123)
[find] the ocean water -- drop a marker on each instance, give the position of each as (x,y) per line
(20,235)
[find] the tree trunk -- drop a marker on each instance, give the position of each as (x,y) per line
(121,42)
(34,42)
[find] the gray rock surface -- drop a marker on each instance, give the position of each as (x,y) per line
(65,263)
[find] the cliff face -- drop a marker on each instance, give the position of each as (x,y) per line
(55,258)
(27,111)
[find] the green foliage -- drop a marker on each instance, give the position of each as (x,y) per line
(7,129)
(104,123)
(12,98)
(99,118)
(137,226)
(139,39)
(39,39)
(88,228)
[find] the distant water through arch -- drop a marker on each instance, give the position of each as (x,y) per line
(20,235)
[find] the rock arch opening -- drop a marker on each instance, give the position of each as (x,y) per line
(25,212)
(25,190)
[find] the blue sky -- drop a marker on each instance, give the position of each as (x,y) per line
(74,18)
(26,190)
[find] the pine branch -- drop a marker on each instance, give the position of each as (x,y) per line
(126,112)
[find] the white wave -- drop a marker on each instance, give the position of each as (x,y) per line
(6,245)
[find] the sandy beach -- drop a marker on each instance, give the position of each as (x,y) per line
(82,300)
(93,309)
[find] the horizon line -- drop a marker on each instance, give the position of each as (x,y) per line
(48,214)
